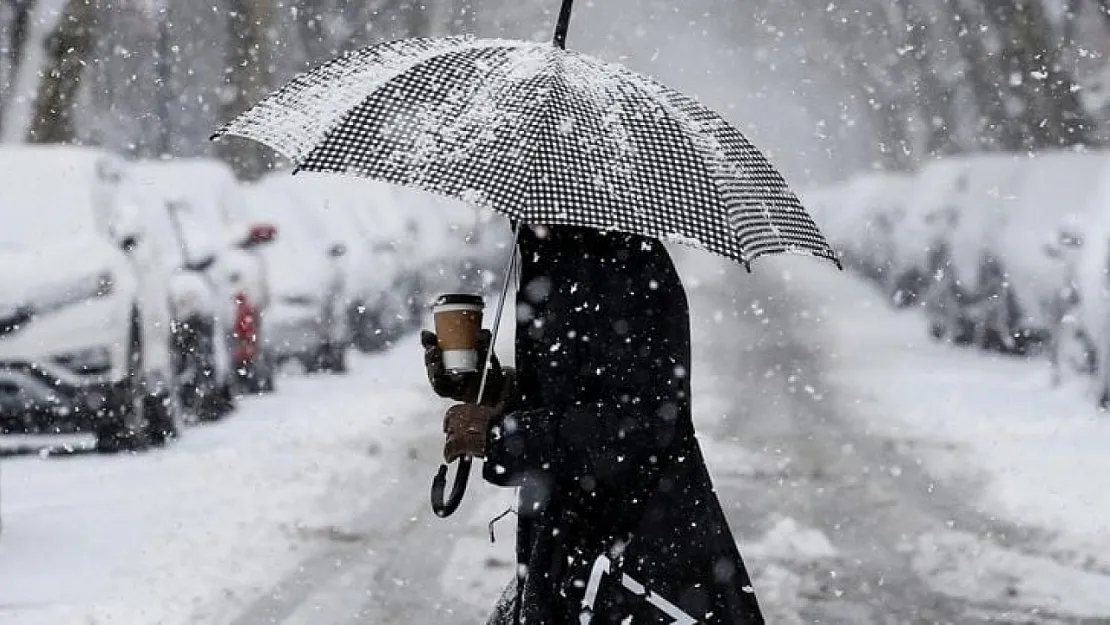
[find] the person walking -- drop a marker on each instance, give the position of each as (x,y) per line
(617,516)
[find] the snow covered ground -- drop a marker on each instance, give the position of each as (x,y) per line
(310,506)
(189,534)
(1038,456)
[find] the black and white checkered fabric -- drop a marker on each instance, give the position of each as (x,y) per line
(543,135)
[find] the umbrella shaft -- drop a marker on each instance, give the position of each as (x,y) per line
(500,309)
(563,24)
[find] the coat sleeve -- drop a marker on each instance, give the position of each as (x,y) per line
(612,442)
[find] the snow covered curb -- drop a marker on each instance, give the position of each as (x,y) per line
(1041,453)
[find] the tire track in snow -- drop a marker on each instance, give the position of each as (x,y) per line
(362,566)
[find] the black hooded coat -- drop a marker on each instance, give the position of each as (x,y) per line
(617,515)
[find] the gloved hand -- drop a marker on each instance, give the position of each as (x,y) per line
(462,387)
(466,426)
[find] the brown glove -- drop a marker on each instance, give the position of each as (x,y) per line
(461,387)
(466,426)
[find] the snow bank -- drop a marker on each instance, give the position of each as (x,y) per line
(1054,189)
(929,196)
(1040,453)
(959,564)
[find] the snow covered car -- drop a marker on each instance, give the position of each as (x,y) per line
(448,246)
(969,299)
(84,320)
(860,216)
(1091,312)
(881,200)
(306,320)
(336,206)
(918,236)
(1055,197)
(1071,344)
(201,340)
(391,226)
(245,272)
(207,195)
(1088,268)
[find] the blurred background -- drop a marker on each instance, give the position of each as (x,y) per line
(919,439)
(829,88)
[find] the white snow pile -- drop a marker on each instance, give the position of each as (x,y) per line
(1036,455)
(963,565)
(782,563)
(478,570)
(789,540)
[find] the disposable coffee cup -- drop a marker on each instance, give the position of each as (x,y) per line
(458,320)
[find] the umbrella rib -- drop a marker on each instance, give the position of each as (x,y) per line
(684,117)
(544,112)
(661,95)
(664,95)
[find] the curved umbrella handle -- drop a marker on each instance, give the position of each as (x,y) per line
(445,508)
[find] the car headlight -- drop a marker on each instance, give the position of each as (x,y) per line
(59,296)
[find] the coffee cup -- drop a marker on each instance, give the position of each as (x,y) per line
(458,321)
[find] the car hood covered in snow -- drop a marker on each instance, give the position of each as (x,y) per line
(31,274)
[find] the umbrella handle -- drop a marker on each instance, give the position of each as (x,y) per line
(445,508)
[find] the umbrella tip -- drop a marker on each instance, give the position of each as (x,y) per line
(215,135)
(561,27)
(748,266)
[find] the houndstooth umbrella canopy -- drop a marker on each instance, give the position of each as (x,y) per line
(542,135)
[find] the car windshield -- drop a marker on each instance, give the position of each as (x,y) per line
(199,187)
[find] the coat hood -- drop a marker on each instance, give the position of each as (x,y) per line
(602,313)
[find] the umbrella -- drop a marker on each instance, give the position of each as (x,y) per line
(540,134)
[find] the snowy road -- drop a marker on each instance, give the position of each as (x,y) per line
(847,527)
(838,524)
